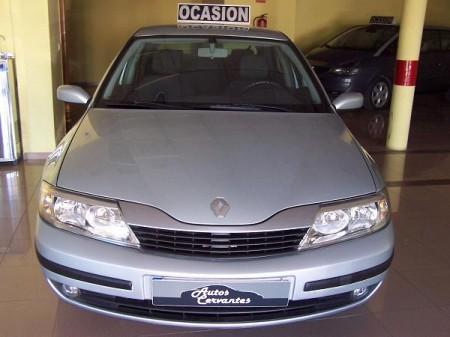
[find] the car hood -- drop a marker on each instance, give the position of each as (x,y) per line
(180,161)
(331,57)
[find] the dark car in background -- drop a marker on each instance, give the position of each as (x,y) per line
(362,59)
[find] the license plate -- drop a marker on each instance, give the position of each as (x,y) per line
(178,292)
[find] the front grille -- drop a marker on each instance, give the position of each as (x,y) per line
(219,244)
(145,308)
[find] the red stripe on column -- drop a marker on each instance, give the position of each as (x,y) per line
(406,73)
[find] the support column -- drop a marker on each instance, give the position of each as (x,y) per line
(411,29)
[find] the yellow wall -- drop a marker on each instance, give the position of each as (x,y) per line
(97,29)
(6,43)
(438,13)
(281,14)
(25,25)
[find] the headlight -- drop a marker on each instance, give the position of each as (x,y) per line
(95,218)
(345,71)
(338,222)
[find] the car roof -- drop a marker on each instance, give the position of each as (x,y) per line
(203,29)
(436,27)
(427,27)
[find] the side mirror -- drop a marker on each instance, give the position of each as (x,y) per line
(72,94)
(349,101)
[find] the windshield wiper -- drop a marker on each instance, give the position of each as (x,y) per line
(226,106)
(242,107)
(145,105)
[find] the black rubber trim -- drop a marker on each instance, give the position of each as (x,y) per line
(428,182)
(350,278)
(426,151)
(146,309)
(83,276)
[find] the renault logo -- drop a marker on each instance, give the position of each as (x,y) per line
(220,207)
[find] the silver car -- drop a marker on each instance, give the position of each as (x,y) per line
(211,183)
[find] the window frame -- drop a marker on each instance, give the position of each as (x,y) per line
(354,28)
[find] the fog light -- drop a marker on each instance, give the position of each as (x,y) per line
(70,291)
(360,292)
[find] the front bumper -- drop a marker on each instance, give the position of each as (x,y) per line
(328,274)
(337,84)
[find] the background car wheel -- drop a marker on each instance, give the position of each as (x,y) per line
(378,95)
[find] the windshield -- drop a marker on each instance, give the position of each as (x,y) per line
(210,73)
(369,38)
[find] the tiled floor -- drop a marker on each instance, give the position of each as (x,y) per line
(414,301)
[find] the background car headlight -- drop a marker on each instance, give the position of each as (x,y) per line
(345,70)
(343,221)
(95,218)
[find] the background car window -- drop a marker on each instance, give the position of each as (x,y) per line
(430,41)
(369,38)
(391,49)
(445,40)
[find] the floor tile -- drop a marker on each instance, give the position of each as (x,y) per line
(20,192)
(423,229)
(26,229)
(21,253)
(427,166)
(397,294)
(27,318)
(422,200)
(4,244)
(74,322)
(413,255)
(446,310)
(433,283)
(23,283)
(426,322)
(8,227)
(12,208)
(362,325)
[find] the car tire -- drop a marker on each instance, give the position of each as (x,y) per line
(378,94)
